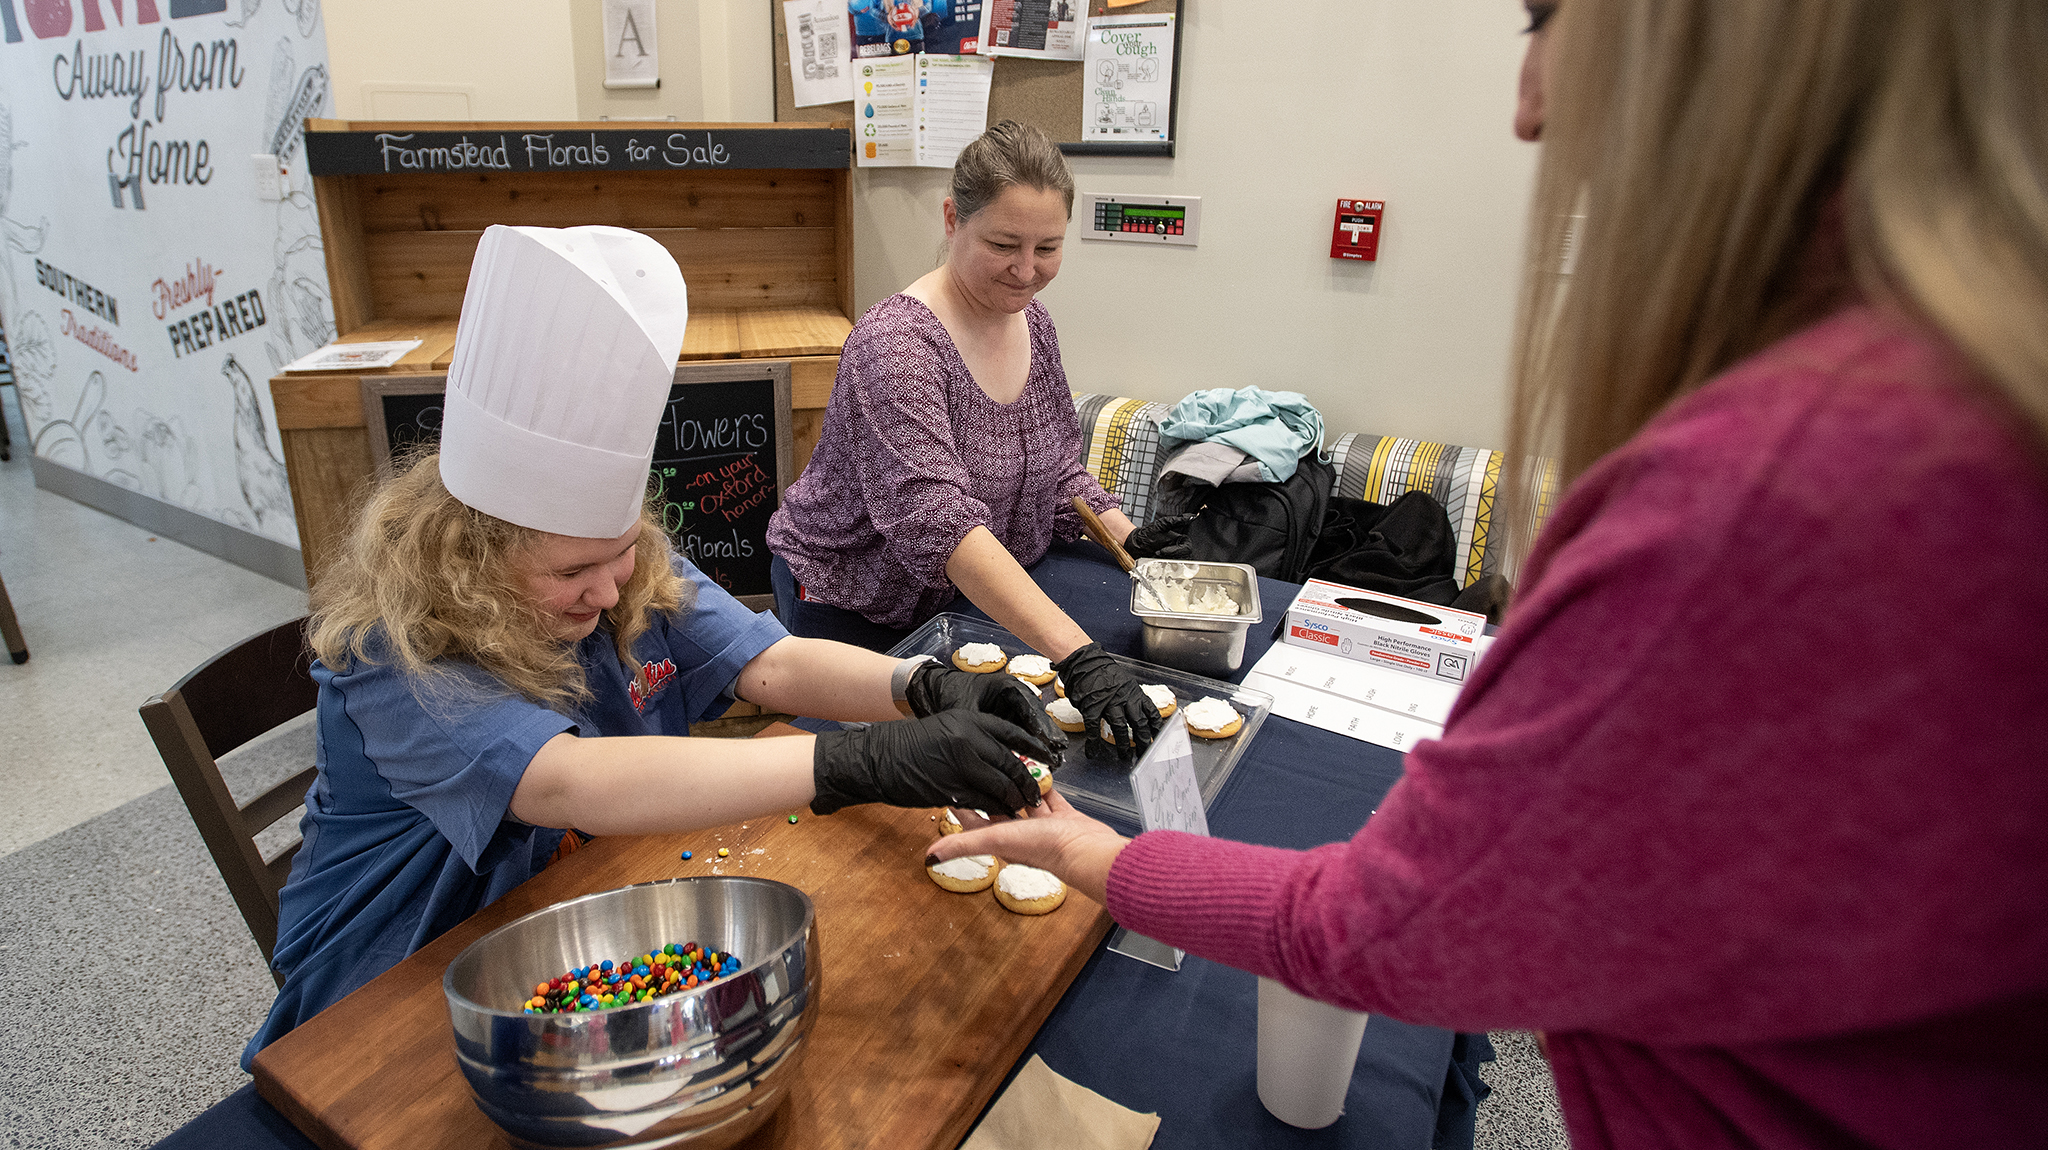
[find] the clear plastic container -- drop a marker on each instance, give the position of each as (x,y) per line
(1102,787)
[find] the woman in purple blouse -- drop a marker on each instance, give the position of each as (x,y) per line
(951,454)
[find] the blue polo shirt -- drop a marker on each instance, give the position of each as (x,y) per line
(408,829)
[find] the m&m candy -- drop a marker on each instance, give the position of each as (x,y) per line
(660,971)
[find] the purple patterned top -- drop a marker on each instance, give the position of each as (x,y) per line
(891,492)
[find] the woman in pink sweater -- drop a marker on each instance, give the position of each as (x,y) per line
(1746,808)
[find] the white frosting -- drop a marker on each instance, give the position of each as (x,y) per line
(966,868)
(976,654)
(1181,593)
(1063,711)
(1209,714)
(1025,883)
(952,820)
(1161,696)
(1031,666)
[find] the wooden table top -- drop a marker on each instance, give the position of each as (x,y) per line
(927,998)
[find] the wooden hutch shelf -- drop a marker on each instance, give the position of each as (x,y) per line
(758,216)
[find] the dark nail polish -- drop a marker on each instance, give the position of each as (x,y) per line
(933,860)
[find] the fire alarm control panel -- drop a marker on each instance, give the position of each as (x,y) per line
(1141,219)
(1356,235)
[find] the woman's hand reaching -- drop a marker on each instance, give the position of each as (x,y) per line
(1052,836)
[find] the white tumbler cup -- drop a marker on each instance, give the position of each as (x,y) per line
(1306,1052)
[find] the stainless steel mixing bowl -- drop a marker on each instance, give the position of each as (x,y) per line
(701,1068)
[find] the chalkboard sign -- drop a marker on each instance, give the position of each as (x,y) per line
(402,412)
(648,148)
(723,454)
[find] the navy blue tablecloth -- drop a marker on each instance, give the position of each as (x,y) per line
(1181,1044)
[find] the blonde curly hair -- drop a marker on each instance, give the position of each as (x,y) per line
(424,580)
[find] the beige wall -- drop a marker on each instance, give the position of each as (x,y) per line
(1413,106)
(451,59)
(1387,99)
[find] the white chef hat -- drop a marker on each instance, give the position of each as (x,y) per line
(563,361)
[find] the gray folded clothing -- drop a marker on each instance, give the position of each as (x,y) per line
(1186,474)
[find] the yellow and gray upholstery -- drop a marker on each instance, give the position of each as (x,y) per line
(1120,445)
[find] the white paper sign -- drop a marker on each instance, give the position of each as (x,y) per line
(1169,799)
(820,58)
(632,54)
(353,356)
(1129,70)
(1169,796)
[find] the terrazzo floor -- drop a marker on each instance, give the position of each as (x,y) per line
(128,975)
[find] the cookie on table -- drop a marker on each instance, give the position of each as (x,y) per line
(1212,718)
(1033,669)
(1039,771)
(949,823)
(1161,697)
(966,874)
(1059,686)
(980,658)
(1066,716)
(1028,890)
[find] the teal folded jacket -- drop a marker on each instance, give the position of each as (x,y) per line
(1273,427)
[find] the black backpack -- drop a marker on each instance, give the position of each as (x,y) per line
(1272,526)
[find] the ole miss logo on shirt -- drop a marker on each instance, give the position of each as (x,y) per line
(658,676)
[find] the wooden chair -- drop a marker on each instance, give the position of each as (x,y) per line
(239,694)
(10,628)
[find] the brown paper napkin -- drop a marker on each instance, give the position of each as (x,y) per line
(1041,1110)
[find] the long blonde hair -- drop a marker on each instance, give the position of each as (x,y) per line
(424,579)
(1691,146)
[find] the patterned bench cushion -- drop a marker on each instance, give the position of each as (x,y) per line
(1120,444)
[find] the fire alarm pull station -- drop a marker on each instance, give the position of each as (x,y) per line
(1357,232)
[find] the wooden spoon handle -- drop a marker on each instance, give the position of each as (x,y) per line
(1100,533)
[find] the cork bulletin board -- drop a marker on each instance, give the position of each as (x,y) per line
(1044,93)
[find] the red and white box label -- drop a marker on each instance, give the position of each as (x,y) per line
(1380,630)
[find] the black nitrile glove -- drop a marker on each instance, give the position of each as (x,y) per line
(1102,690)
(1161,539)
(953,758)
(935,687)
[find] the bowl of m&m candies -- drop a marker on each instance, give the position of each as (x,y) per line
(670,1013)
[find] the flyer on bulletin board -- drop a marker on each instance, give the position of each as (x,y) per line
(951,105)
(1039,29)
(919,111)
(820,59)
(884,106)
(1129,69)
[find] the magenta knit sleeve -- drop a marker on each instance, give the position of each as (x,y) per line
(1711,785)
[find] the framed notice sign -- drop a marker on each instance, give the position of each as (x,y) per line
(723,455)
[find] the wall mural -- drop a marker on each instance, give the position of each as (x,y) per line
(147,288)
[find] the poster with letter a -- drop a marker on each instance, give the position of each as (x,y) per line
(160,256)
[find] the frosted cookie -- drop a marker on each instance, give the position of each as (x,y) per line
(1212,718)
(1161,697)
(1039,771)
(966,874)
(980,658)
(1067,716)
(1028,890)
(949,823)
(1059,686)
(1033,669)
